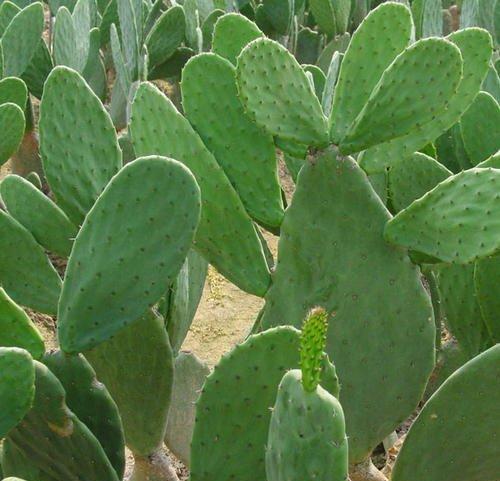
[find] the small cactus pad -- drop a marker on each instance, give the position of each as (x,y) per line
(324,15)
(327,257)
(226,236)
(463,416)
(190,375)
(279,14)
(136,366)
(78,142)
(307,439)
(457,221)
(312,345)
(428,18)
(406,96)
(12,126)
(240,393)
(232,33)
(25,272)
(48,224)
(480,127)
(132,244)
(66,42)
(476,49)
(486,275)
(17,387)
(412,177)
(382,35)
(244,151)
(13,90)
(268,77)
(17,329)
(53,440)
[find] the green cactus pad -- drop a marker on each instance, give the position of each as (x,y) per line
(12,126)
(53,440)
(463,416)
(66,42)
(38,70)
(476,49)
(296,448)
(327,257)
(382,35)
(279,14)
(190,375)
(238,394)
(17,387)
(406,96)
(17,329)
(226,236)
(130,16)
(456,221)
(13,90)
(25,272)
(480,127)
(486,277)
(78,142)
(147,217)
(268,77)
(21,38)
(428,17)
(412,177)
(48,224)
(244,151)
(91,402)
(232,33)
(136,366)
(8,10)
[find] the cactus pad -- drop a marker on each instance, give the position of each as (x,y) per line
(12,126)
(13,90)
(486,277)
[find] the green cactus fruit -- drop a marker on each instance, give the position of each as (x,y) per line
(459,302)
(38,70)
(318,79)
(296,448)
(406,97)
(184,297)
(78,142)
(166,35)
(190,375)
(25,272)
(48,224)
(17,387)
(232,33)
(428,18)
(455,222)
(238,394)
(243,150)
(21,38)
(147,215)
(487,291)
(136,362)
(268,77)
(13,90)
(226,236)
(12,125)
(462,416)
(17,329)
(279,14)
(91,402)
(476,50)
(327,257)
(412,177)
(480,127)
(53,440)
(384,33)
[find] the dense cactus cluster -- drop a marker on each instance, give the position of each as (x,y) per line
(147,140)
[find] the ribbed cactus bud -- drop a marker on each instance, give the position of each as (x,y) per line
(312,345)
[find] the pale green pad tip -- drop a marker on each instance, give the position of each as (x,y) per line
(132,244)
(232,33)
(268,77)
(407,96)
(48,224)
(17,387)
(17,329)
(243,150)
(12,126)
(226,235)
(462,416)
(456,222)
(26,273)
(53,440)
(306,438)
(383,34)
(327,257)
(486,275)
(240,393)
(136,366)
(78,142)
